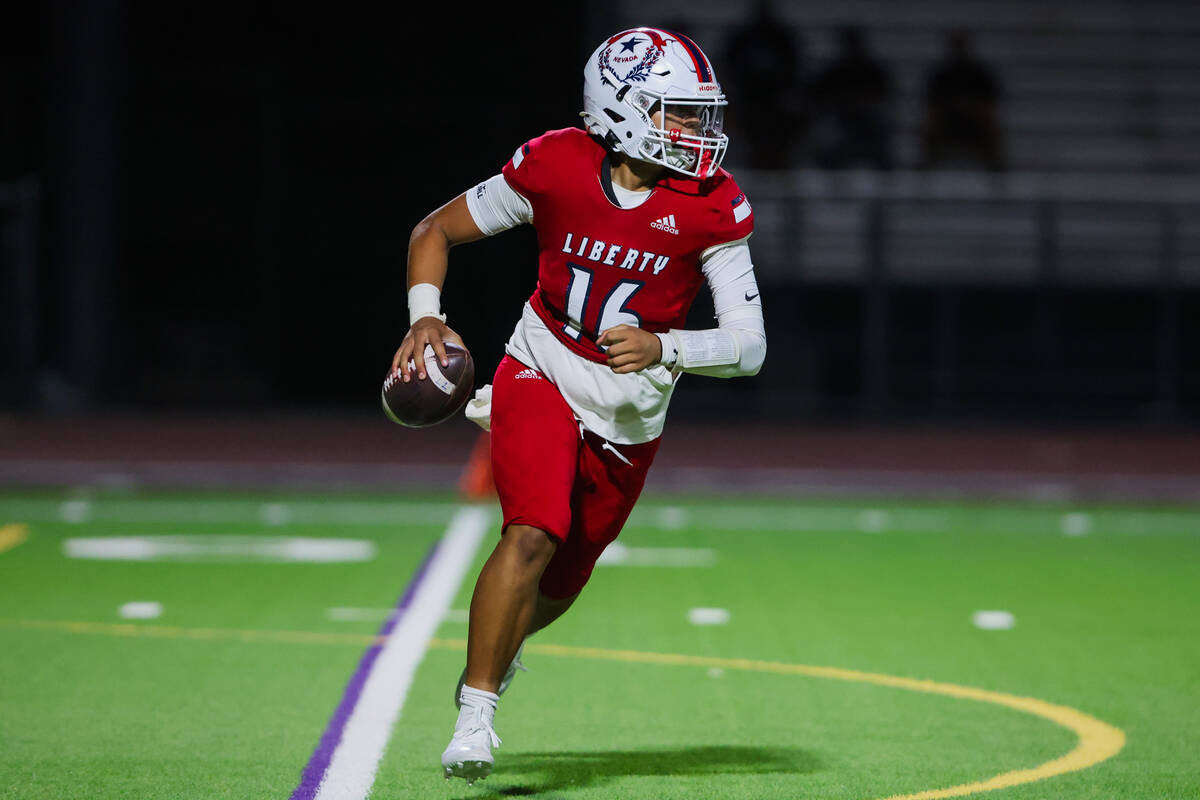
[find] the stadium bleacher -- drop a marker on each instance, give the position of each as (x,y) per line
(1090,235)
(1107,86)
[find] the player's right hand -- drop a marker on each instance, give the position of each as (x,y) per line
(425,331)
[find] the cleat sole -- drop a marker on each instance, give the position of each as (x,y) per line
(470,771)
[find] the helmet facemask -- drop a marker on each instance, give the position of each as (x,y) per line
(683,133)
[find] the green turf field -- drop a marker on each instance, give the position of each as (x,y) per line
(838,656)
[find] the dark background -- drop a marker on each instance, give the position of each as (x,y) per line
(222,198)
(226,193)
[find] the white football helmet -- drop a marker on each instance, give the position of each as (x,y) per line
(645,76)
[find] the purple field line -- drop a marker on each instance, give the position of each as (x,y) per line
(314,771)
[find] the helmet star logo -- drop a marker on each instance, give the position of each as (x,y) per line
(628,45)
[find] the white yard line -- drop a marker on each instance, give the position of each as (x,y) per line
(351,771)
(877,517)
(221,511)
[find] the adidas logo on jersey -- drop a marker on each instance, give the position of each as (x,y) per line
(527,373)
(667,224)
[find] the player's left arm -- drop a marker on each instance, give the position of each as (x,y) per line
(738,345)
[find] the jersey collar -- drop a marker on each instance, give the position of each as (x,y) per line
(606,181)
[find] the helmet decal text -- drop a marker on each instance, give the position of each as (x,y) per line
(627,64)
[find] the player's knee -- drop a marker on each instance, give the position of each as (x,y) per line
(530,545)
(563,582)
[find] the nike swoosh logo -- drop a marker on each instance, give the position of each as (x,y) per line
(751,296)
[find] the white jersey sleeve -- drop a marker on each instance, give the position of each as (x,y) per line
(738,345)
(496,206)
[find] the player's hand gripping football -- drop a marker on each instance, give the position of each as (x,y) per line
(630,349)
(425,331)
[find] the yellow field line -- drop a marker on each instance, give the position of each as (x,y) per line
(1098,740)
(12,535)
(207,634)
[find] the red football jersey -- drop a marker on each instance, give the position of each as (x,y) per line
(601,265)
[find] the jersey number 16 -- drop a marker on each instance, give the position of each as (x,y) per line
(612,308)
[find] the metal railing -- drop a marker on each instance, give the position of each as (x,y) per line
(1045,240)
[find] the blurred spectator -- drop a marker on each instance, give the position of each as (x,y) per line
(851,99)
(764,68)
(962,97)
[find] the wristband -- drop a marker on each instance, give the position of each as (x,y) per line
(707,348)
(670,353)
(424,300)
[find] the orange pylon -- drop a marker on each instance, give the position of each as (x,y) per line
(476,482)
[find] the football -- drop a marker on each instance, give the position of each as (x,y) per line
(445,390)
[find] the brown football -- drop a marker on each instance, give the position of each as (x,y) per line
(445,390)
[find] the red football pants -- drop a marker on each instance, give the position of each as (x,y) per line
(553,475)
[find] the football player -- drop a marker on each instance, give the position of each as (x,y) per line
(633,215)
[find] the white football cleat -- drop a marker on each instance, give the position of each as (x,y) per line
(509,674)
(469,754)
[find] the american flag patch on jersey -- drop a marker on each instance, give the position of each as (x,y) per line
(519,156)
(741,207)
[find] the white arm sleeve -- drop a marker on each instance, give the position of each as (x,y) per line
(738,345)
(496,206)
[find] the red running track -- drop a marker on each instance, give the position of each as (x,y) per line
(317,452)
